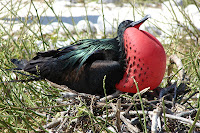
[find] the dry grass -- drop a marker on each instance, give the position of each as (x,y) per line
(39,106)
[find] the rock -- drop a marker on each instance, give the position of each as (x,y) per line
(195,18)
(16,28)
(152,5)
(94,5)
(55,25)
(109,6)
(109,1)
(84,26)
(111,24)
(39,44)
(47,29)
(64,27)
(6,37)
(192,9)
(34,28)
(60,44)
(170,4)
(77,1)
(111,129)
(153,30)
(50,28)
(196,21)
(176,2)
(194,15)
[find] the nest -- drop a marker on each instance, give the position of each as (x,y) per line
(162,110)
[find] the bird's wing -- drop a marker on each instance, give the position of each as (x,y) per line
(80,51)
(89,78)
(71,56)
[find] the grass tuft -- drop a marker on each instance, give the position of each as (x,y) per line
(34,106)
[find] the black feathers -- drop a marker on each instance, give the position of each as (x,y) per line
(83,65)
(82,50)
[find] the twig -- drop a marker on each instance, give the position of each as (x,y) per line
(182,119)
(127,110)
(179,64)
(140,93)
(63,87)
(102,104)
(64,120)
(151,113)
(130,127)
(155,117)
(91,104)
(54,123)
(118,123)
(60,128)
(70,92)
(68,95)
(168,116)
(109,97)
(186,113)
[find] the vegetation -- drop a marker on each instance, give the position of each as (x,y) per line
(34,106)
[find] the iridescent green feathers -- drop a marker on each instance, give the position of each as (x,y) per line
(80,51)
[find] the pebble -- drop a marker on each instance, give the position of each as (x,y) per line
(176,2)
(6,37)
(39,44)
(153,30)
(47,29)
(194,14)
(84,26)
(60,44)
(112,129)
(192,9)
(109,1)
(196,21)
(65,28)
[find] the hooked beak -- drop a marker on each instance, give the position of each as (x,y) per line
(140,22)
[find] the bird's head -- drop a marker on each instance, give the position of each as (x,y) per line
(129,23)
(144,57)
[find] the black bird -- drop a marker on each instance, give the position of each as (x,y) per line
(83,65)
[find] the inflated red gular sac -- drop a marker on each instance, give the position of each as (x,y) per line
(145,59)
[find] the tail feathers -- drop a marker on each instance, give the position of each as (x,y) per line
(19,63)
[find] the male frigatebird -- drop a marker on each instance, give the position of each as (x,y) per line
(133,54)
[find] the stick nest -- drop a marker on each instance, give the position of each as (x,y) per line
(169,109)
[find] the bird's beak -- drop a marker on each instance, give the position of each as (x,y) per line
(138,23)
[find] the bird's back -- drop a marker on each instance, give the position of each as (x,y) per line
(81,66)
